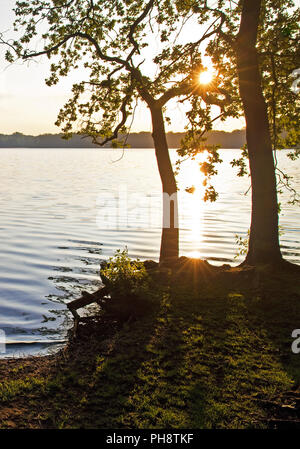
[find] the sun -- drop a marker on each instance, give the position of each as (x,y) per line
(194,255)
(205,77)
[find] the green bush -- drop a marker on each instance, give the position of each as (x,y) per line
(128,284)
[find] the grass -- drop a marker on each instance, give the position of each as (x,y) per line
(213,352)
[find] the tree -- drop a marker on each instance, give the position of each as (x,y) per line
(257,51)
(267,53)
(110,41)
(264,239)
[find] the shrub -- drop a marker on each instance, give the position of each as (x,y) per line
(128,284)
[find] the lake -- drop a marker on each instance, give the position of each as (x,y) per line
(64,210)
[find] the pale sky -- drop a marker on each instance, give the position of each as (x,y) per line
(27,105)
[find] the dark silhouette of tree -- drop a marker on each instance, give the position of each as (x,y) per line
(264,238)
(111,41)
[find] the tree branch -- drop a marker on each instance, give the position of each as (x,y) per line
(124,113)
(135,72)
(183,89)
(134,26)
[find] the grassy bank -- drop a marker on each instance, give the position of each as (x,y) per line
(214,351)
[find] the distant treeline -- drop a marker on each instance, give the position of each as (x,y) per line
(234,139)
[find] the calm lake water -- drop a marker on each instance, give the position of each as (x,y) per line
(63,210)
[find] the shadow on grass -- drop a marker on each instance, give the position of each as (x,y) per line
(215,352)
(257,368)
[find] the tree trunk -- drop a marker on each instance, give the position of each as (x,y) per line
(264,241)
(170,234)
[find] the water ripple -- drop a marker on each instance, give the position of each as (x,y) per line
(51,244)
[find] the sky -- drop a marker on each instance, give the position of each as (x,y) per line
(29,106)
